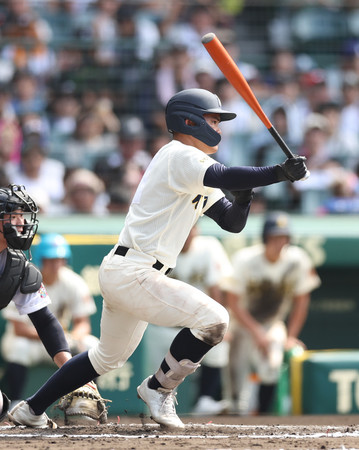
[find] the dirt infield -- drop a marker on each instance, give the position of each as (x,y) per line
(217,433)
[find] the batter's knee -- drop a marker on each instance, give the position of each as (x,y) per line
(213,334)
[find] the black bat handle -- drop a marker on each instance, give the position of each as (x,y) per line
(280,142)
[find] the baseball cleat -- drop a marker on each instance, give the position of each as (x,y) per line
(207,406)
(161,403)
(21,415)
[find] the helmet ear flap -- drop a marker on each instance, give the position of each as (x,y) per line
(201,130)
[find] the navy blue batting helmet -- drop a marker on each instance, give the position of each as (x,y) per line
(192,104)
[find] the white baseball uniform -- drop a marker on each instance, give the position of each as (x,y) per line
(169,200)
(266,289)
(70,299)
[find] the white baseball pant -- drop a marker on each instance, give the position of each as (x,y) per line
(136,294)
(245,358)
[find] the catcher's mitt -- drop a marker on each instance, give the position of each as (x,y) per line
(85,402)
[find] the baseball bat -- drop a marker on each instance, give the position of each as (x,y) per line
(233,74)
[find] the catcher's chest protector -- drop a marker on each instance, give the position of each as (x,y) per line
(18,272)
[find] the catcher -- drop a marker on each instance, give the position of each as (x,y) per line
(21,282)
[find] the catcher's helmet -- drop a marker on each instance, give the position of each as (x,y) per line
(276,224)
(51,246)
(13,198)
(192,104)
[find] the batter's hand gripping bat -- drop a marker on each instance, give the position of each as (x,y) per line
(231,71)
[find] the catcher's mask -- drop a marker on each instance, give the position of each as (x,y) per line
(192,104)
(276,224)
(51,246)
(14,198)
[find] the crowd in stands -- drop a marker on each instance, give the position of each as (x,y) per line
(84,84)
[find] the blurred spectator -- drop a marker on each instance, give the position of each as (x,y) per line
(205,76)
(314,88)
(104,31)
(266,152)
(283,64)
(350,113)
(27,36)
(288,95)
(64,109)
(4,179)
(89,142)
(42,176)
(174,72)
(84,194)
(104,109)
(197,21)
(137,36)
(28,95)
(343,196)
(324,169)
(314,146)
(71,302)
(236,134)
(35,124)
(122,170)
(229,41)
(10,131)
(163,13)
(342,146)
(6,109)
(269,300)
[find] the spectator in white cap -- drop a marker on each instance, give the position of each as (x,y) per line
(84,194)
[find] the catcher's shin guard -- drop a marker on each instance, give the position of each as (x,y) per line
(178,370)
(86,403)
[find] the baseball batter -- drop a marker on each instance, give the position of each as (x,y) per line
(271,285)
(181,184)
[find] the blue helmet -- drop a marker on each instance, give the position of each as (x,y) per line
(192,104)
(51,246)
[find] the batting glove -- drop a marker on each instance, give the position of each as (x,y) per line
(293,169)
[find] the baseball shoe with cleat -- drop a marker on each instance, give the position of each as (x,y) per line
(161,403)
(22,415)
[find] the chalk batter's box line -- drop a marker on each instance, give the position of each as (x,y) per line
(329,433)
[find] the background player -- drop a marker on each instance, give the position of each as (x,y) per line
(271,283)
(181,184)
(71,303)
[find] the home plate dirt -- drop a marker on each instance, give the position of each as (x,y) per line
(217,433)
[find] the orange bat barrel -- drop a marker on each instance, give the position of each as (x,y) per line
(231,71)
